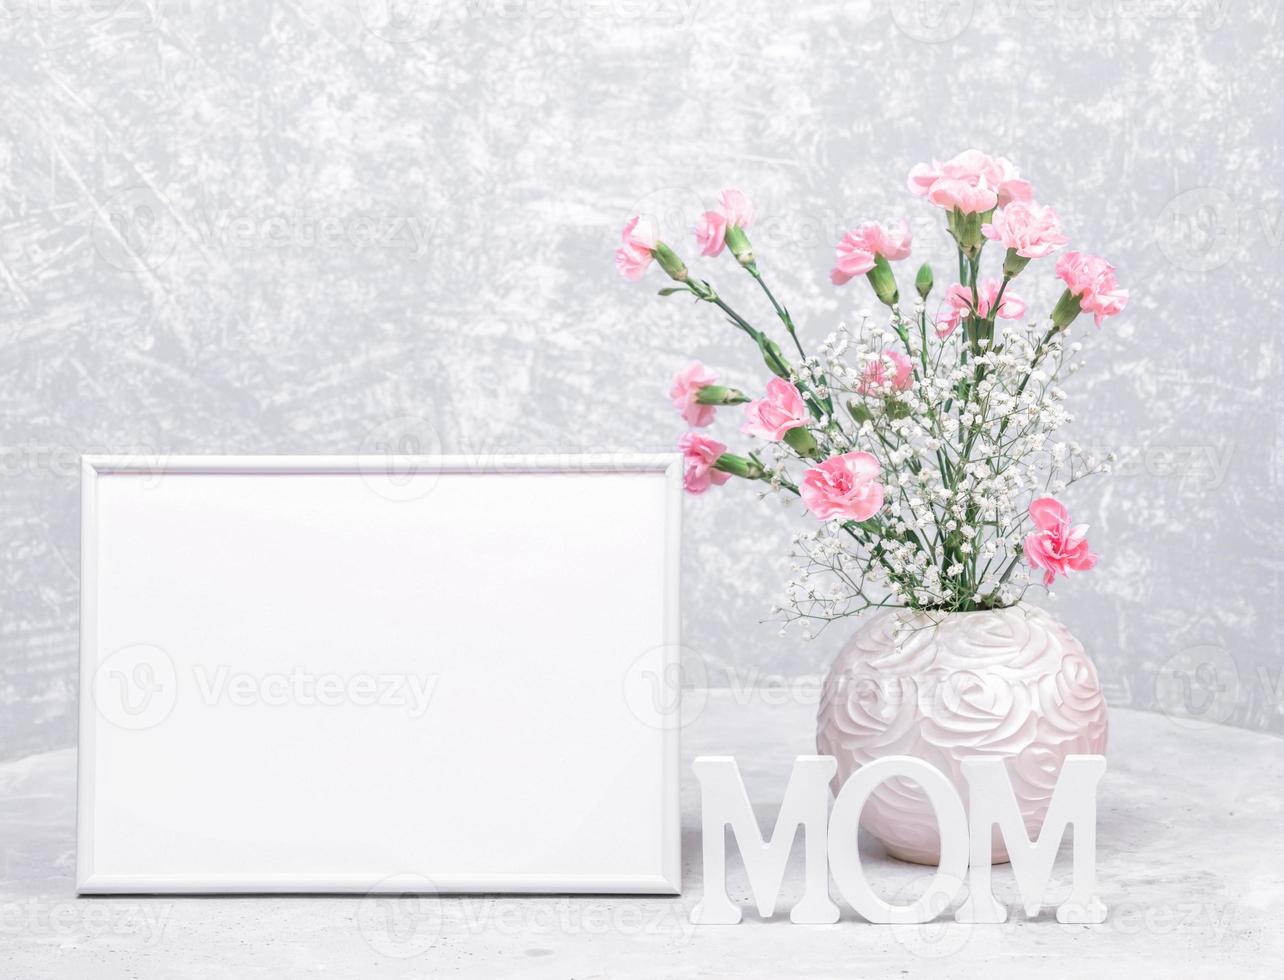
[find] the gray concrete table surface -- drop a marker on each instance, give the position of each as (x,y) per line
(1190,862)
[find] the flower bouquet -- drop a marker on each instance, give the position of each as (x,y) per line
(922,449)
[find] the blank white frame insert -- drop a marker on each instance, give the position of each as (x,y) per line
(346,674)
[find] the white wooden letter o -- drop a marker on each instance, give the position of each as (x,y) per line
(844,855)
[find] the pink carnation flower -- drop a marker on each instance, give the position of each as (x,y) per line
(686,386)
(844,487)
(958,304)
(700,453)
(857,249)
(971,182)
(892,371)
(773,416)
(1056,547)
(640,237)
(734,210)
(1092,279)
(1030,229)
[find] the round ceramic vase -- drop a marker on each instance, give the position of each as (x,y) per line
(1012,683)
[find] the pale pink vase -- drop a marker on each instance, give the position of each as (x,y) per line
(1012,683)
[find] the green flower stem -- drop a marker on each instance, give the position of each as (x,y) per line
(1035,361)
(922,333)
(1039,352)
(1007,572)
(781,312)
(736,318)
(788,321)
(770,352)
(1003,288)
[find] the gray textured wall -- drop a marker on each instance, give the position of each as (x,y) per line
(299,227)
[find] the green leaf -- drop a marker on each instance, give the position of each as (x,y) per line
(860,412)
(897,409)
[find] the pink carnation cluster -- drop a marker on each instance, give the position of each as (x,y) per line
(890,371)
(1031,230)
(684,390)
(958,304)
(701,453)
(734,210)
(972,182)
(843,487)
(1056,547)
(804,411)
(857,250)
(1092,280)
(639,239)
(771,417)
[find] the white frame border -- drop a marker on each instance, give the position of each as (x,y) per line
(93,466)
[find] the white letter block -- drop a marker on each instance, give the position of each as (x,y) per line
(723,802)
(1074,802)
(844,853)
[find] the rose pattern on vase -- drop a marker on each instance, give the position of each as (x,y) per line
(1012,683)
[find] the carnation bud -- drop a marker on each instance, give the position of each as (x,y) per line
(883,281)
(738,242)
(802,442)
(718,395)
(1065,311)
(923,281)
(775,359)
(746,469)
(670,262)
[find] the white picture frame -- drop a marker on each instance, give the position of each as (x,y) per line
(244,620)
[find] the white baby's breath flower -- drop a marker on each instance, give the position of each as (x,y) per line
(961,451)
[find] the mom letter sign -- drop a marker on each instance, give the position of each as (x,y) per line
(830,839)
(368,673)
